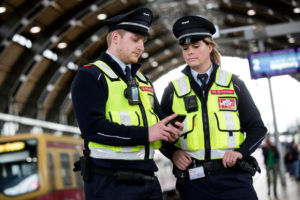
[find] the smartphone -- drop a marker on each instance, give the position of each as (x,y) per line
(179,118)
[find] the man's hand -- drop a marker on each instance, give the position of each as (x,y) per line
(230,158)
(160,131)
(181,159)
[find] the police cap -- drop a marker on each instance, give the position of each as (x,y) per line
(190,29)
(137,21)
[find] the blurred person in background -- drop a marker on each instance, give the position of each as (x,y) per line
(271,158)
(293,160)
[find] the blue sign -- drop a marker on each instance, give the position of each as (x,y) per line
(274,63)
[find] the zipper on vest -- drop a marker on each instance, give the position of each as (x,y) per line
(205,126)
(147,148)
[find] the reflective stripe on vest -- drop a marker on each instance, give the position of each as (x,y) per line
(223,78)
(125,118)
(141,76)
(223,120)
(101,153)
(230,126)
(118,110)
(106,69)
(183,86)
(200,154)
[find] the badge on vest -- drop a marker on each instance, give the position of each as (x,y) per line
(147,88)
(225,91)
(227,103)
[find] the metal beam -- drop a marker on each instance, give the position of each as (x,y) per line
(255,32)
(39,123)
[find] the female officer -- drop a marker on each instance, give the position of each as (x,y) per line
(222,126)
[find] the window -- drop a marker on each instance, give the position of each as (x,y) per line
(65,169)
(18,167)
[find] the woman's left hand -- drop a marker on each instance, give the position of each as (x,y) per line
(230,158)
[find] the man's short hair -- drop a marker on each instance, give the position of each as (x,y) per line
(108,37)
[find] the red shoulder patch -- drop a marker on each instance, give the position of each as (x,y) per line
(89,65)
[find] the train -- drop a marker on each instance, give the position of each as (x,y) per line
(39,167)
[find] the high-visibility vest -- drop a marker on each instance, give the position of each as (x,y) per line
(118,110)
(222,114)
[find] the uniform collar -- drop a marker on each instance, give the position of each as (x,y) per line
(195,74)
(115,66)
(187,71)
(120,63)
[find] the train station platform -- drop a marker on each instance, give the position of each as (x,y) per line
(290,192)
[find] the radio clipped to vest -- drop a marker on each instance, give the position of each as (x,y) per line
(190,103)
(132,92)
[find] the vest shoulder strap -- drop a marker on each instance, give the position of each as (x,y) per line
(182,86)
(223,78)
(106,69)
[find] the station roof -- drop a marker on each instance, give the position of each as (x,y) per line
(44,42)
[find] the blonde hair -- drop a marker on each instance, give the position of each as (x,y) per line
(108,37)
(215,55)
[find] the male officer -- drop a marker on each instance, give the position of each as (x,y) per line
(117,112)
(213,153)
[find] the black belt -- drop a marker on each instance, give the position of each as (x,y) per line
(209,166)
(125,175)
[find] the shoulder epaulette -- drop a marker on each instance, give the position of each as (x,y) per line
(87,65)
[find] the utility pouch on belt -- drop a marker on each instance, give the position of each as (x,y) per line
(86,168)
(132,176)
(249,165)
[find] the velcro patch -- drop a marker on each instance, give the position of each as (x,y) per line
(147,88)
(225,91)
(227,103)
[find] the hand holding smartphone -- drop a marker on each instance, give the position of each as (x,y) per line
(179,118)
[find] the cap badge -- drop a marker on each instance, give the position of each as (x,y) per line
(187,40)
(146,14)
(185,22)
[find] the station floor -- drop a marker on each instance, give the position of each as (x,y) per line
(290,192)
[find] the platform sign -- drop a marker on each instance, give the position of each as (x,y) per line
(274,63)
(298,55)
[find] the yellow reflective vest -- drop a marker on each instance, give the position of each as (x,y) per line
(118,110)
(220,125)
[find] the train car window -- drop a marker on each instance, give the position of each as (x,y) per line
(19,167)
(65,169)
(79,181)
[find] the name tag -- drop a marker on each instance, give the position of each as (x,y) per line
(147,88)
(196,173)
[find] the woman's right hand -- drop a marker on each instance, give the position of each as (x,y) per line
(181,159)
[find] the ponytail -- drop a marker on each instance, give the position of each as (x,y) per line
(215,55)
